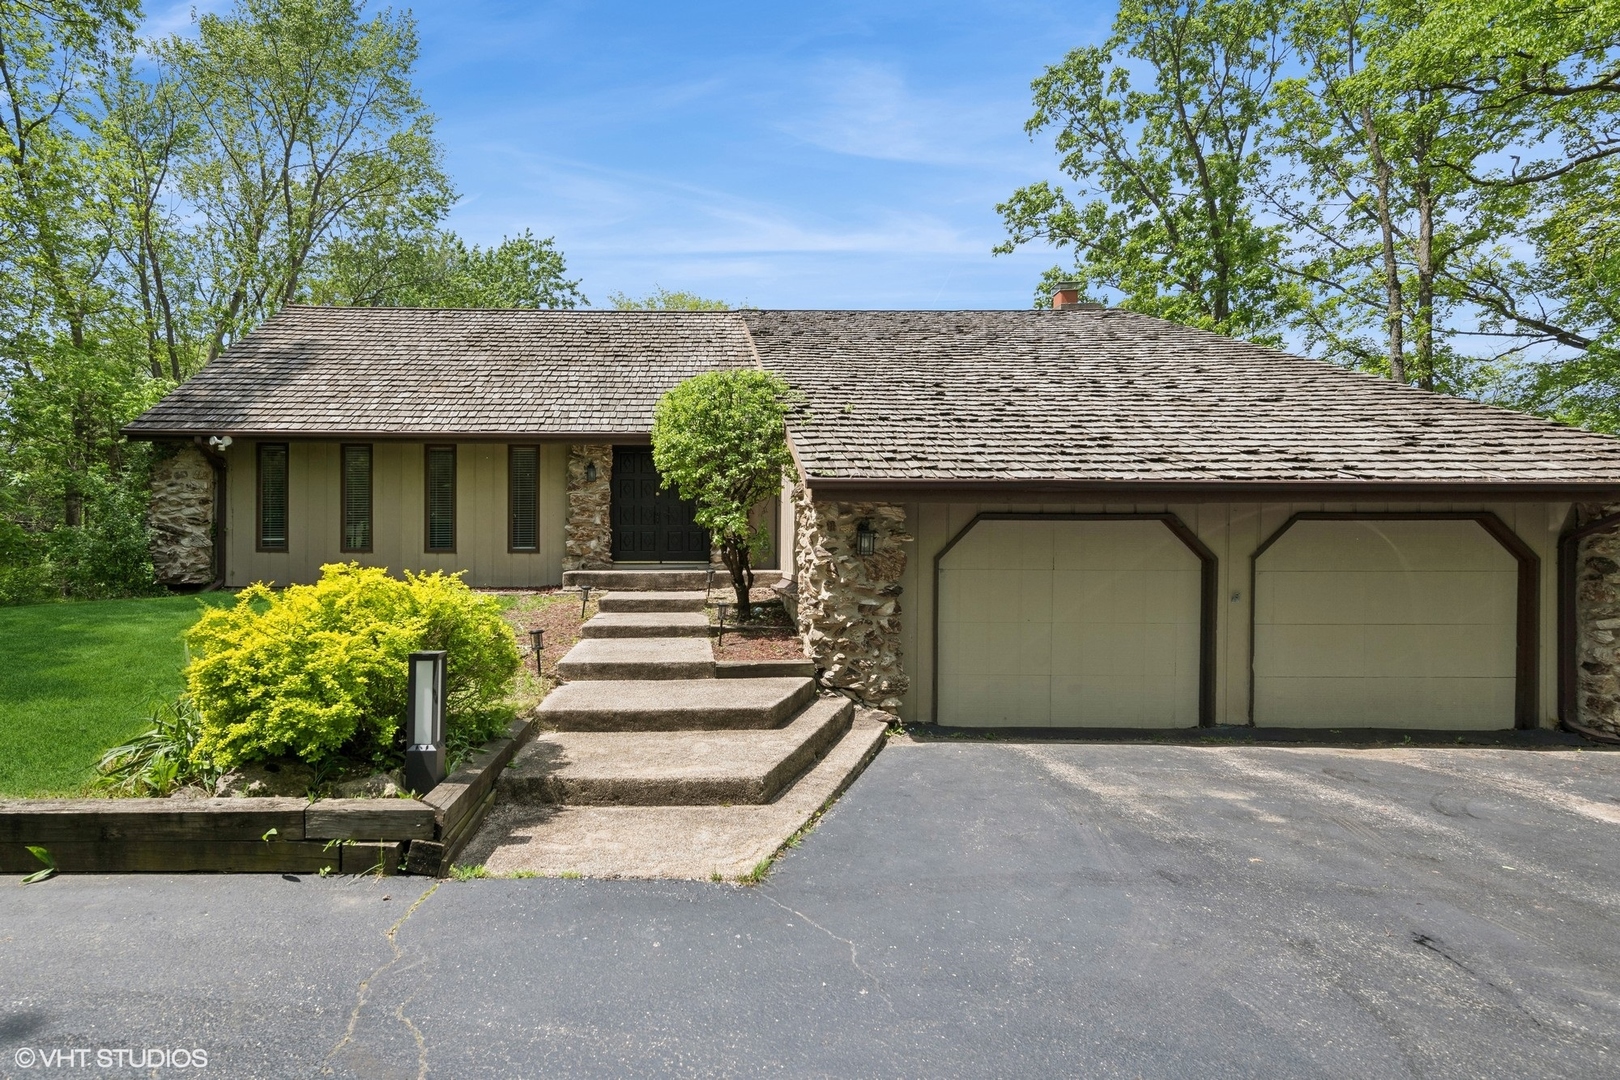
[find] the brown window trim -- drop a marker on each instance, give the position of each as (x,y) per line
(343,499)
(538,454)
(1208,584)
(258,498)
(427,500)
(1527,630)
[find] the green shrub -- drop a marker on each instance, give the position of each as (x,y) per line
(320,670)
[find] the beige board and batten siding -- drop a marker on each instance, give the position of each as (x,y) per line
(1233,531)
(1068,623)
(398,516)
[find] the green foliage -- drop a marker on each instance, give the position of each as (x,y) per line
(44,857)
(442,270)
(160,759)
(720,439)
(469,873)
(1161,126)
(320,670)
(662,299)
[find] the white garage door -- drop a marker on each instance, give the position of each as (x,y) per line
(1387,624)
(1069,624)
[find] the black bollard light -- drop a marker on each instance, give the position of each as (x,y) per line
(424,722)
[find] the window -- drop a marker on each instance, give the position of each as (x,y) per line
(272,496)
(441,498)
(523,499)
(357,498)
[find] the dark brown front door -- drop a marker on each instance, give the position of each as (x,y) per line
(650,525)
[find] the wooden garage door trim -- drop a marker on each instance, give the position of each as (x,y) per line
(1527,652)
(1207,584)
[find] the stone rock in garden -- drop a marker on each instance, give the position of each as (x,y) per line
(376,786)
(267,778)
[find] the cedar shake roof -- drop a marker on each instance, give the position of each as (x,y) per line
(1068,398)
(1113,397)
(312,371)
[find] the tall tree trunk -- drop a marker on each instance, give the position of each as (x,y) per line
(734,553)
(1424,257)
(1395,318)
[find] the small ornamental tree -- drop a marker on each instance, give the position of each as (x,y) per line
(720,440)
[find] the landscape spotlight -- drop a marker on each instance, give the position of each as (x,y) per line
(537,641)
(424,721)
(865,539)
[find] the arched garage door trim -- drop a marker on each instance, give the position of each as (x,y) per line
(1208,583)
(1527,650)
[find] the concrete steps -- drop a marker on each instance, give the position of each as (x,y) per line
(638,658)
(652,601)
(654,580)
(698,843)
(691,705)
(646,624)
(673,768)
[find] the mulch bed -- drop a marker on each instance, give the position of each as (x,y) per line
(552,610)
(769,635)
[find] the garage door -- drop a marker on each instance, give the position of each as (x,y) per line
(1069,624)
(1388,624)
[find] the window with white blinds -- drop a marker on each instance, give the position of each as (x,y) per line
(441,498)
(523,500)
(272,496)
(356,498)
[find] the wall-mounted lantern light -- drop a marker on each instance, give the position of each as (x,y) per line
(590,472)
(537,642)
(865,539)
(424,722)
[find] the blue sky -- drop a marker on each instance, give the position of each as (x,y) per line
(793,155)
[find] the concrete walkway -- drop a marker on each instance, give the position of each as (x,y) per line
(654,767)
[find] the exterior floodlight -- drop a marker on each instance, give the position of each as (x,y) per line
(424,722)
(865,539)
(590,472)
(537,641)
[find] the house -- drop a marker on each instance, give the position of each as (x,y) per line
(1063,517)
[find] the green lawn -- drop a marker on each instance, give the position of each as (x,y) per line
(78,678)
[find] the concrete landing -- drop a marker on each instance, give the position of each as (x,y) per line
(672,768)
(694,705)
(652,579)
(638,658)
(646,624)
(652,601)
(692,842)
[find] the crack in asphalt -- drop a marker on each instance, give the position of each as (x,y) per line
(1438,947)
(877,984)
(363,993)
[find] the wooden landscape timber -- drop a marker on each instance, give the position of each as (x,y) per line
(258,835)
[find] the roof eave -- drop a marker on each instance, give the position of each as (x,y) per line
(1215,490)
(138,432)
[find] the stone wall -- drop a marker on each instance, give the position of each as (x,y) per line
(849,605)
(1597,624)
(588,532)
(181,517)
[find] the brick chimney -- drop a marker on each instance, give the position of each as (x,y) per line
(1067,294)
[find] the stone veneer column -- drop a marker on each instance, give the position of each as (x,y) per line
(181,517)
(588,532)
(849,605)
(1597,623)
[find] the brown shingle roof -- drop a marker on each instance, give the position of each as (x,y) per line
(1110,396)
(919,397)
(399,371)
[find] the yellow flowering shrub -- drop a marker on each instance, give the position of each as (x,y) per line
(320,670)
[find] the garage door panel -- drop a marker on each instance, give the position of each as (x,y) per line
(1104,633)
(1397,623)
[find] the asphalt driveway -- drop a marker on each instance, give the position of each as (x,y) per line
(968,909)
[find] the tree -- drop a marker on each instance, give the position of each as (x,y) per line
(442,270)
(662,299)
(312,133)
(1166,171)
(720,439)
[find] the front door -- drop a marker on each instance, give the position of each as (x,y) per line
(649,524)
